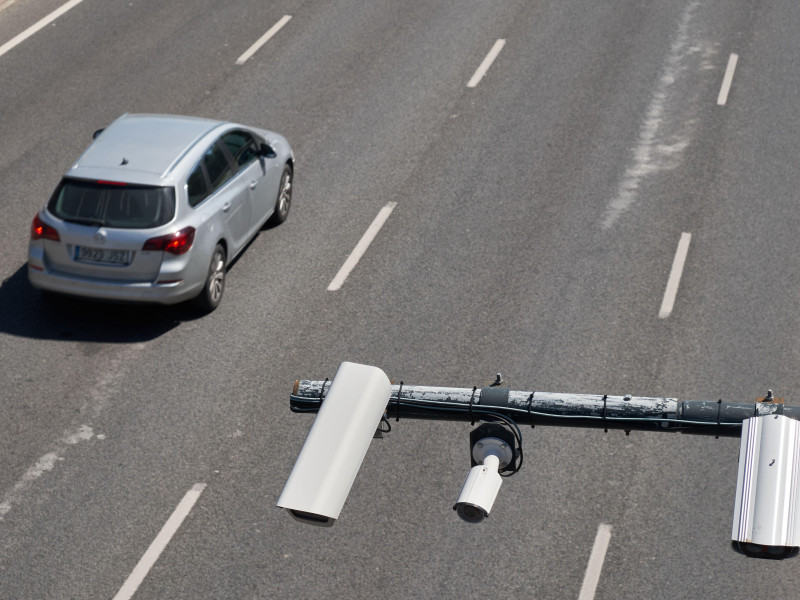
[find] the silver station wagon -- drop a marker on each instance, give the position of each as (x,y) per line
(157,208)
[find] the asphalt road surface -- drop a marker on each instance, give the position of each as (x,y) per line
(544,159)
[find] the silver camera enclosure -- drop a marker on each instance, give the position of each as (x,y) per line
(766,517)
(336,445)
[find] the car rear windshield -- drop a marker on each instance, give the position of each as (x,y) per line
(109,204)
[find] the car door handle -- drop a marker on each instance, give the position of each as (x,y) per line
(253,184)
(226,207)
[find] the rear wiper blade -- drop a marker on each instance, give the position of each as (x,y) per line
(80,221)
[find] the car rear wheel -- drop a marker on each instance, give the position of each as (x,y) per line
(284,200)
(211,295)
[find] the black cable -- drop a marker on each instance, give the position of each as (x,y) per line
(515,430)
(399,391)
(388,425)
(471,400)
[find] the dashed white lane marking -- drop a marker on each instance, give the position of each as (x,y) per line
(263,39)
(487,62)
(163,538)
(722,99)
(668,303)
(361,247)
(592,576)
(16,41)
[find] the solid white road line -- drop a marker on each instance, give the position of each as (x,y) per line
(674,280)
(150,557)
(592,576)
(722,99)
(487,62)
(37,26)
(361,247)
(263,39)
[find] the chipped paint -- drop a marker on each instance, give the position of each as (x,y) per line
(626,412)
(105,387)
(45,464)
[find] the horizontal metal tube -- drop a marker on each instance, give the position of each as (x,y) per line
(557,409)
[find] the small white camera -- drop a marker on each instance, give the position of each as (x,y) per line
(484,480)
(766,517)
(336,444)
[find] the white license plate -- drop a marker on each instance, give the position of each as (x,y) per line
(104,256)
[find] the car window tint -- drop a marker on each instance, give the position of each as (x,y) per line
(217,166)
(196,186)
(242,146)
(113,205)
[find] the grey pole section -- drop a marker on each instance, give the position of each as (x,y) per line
(559,409)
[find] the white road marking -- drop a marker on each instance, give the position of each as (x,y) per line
(722,99)
(6,4)
(671,120)
(45,463)
(106,387)
(675,274)
(361,247)
(150,557)
(487,62)
(592,576)
(37,26)
(263,39)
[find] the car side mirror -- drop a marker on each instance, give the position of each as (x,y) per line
(266,151)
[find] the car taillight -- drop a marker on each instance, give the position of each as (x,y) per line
(174,243)
(41,230)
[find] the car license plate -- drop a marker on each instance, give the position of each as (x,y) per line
(103,256)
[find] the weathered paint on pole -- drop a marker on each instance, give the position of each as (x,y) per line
(558,409)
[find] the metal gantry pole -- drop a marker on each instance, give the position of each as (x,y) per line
(767,488)
(599,411)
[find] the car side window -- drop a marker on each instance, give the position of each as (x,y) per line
(218,167)
(197,185)
(242,146)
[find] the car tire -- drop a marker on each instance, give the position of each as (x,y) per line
(284,200)
(214,286)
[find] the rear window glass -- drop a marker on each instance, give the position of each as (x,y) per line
(113,205)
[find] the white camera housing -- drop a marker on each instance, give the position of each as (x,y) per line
(336,444)
(766,517)
(483,480)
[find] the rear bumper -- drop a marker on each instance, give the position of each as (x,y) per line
(137,291)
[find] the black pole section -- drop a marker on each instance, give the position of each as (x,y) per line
(627,413)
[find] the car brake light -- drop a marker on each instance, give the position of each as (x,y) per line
(40,229)
(174,243)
